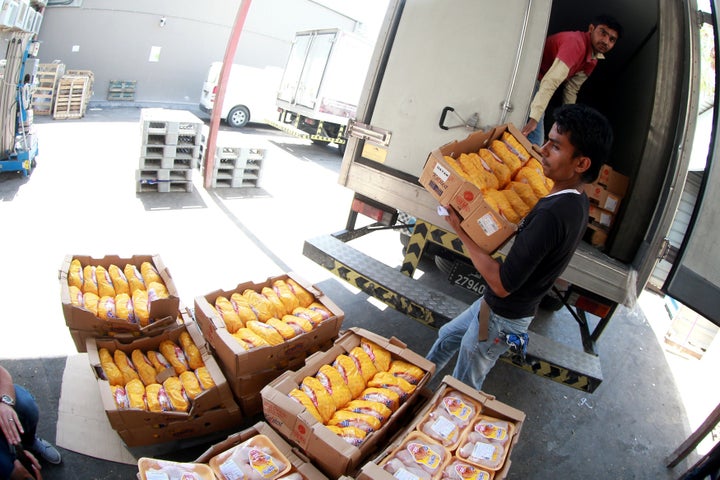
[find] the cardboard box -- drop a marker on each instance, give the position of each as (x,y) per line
(486,227)
(249,371)
(163,312)
(212,410)
(613,181)
(333,455)
(601,217)
(490,407)
(603,198)
(299,462)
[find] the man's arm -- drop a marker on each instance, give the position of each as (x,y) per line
(487,266)
(553,78)
(572,87)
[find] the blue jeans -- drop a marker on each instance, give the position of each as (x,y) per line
(27,411)
(475,359)
(537,136)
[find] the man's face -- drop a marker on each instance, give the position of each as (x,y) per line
(602,38)
(560,161)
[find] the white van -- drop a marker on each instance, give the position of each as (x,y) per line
(249,96)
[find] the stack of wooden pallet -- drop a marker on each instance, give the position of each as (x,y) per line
(48,75)
(121,90)
(73,93)
(91,82)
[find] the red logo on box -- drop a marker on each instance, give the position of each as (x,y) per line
(301,429)
(468,196)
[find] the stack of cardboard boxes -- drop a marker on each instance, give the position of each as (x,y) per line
(605,194)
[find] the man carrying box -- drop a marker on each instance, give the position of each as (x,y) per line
(547,237)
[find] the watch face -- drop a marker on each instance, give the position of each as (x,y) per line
(7,400)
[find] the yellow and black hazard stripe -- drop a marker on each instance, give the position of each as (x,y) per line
(545,369)
(423,233)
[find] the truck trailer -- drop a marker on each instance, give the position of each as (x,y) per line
(443,70)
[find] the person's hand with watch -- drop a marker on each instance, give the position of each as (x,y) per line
(9,421)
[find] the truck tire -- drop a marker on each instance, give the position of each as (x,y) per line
(238,117)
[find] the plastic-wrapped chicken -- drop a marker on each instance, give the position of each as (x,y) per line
(266,331)
(383,395)
(304,297)
(298,324)
(249,339)
(278,305)
(156,291)
(508,157)
(106,308)
(126,368)
(421,452)
(368,407)
(349,371)
(124,308)
(517,203)
(500,204)
(408,371)
(478,451)
(313,316)
(499,169)
(144,368)
(141,307)
(303,399)
(333,382)
(120,397)
(380,357)
(363,421)
(134,278)
(149,274)
(387,380)
(90,302)
(364,363)
(152,396)
(460,409)
(76,296)
(457,469)
(112,373)
(525,192)
(321,309)
(438,425)
(260,305)
(398,469)
(255,459)
(352,435)
(75,274)
(175,355)
(242,306)
(515,146)
(119,280)
(176,393)
(154,469)
(89,280)
(190,384)
(228,314)
(286,295)
(204,377)
(158,361)
(191,351)
(136,394)
(493,429)
(105,285)
(319,397)
(287,331)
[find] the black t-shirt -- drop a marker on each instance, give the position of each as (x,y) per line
(543,247)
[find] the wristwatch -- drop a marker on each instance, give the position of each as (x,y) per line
(7,400)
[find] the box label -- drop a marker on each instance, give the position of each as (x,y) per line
(441,172)
(611,203)
(489,224)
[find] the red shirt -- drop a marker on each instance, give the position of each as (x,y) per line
(573,49)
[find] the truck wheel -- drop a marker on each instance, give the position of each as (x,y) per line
(238,117)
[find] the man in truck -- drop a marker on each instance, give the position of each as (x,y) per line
(569,58)
(578,144)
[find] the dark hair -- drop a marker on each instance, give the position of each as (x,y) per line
(609,21)
(589,132)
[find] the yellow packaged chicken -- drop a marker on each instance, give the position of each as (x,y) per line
(119,280)
(260,305)
(228,314)
(516,146)
(458,167)
(158,362)
(135,391)
(480,173)
(286,295)
(120,397)
(278,305)
(112,373)
(140,307)
(149,274)
(105,285)
(152,397)
(90,302)
(352,435)
(321,309)
(75,274)
(516,202)
(249,339)
(76,296)
(134,278)
(333,382)
(363,421)
(499,203)
(499,169)
(267,332)
(303,399)
(319,397)
(144,368)
(349,371)
(380,357)
(243,308)
(191,384)
(176,394)
(174,354)
(299,324)
(536,180)
(106,308)
(124,307)
(192,353)
(387,397)
(304,297)
(508,157)
(204,378)
(387,380)
(156,291)
(376,409)
(89,281)
(313,316)
(123,363)
(283,328)
(525,192)
(364,363)
(408,371)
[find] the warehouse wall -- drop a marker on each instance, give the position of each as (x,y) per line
(114,40)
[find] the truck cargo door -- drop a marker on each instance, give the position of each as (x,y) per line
(694,279)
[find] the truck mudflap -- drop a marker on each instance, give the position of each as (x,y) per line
(545,357)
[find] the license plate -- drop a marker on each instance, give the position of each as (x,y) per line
(467,277)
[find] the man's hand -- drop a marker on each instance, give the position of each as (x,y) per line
(529,127)
(10,424)
(22,473)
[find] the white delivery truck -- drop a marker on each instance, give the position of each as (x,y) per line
(321,85)
(249,95)
(439,65)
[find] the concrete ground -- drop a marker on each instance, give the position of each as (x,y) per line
(81,200)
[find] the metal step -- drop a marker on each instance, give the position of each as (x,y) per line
(545,357)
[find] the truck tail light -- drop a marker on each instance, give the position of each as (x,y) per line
(592,306)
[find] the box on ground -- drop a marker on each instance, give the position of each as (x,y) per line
(163,312)
(329,452)
(212,410)
(300,463)
(485,226)
(490,407)
(249,371)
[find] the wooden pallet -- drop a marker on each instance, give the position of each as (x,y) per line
(48,75)
(89,91)
(121,90)
(70,100)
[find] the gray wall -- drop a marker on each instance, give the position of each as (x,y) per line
(115,40)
